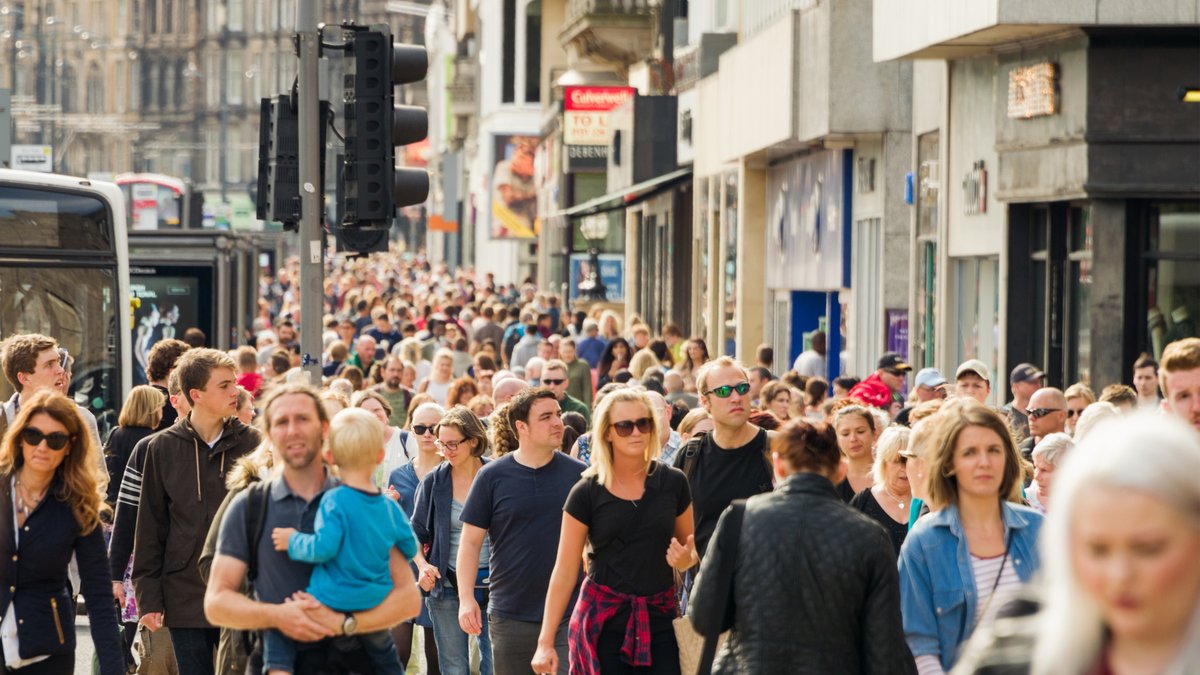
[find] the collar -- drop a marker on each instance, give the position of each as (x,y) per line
(807,482)
(1014,518)
(280,489)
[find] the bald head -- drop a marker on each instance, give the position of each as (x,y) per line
(1048,397)
(504,390)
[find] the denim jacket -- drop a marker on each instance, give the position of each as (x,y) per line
(431,520)
(938,597)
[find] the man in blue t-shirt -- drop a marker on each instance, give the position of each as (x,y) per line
(517,502)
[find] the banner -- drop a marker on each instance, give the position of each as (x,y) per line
(514,194)
(612,273)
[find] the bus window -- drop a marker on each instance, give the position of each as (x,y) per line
(31,218)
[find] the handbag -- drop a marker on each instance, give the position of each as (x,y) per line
(697,651)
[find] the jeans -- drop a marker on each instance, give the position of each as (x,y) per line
(514,643)
(279,652)
(453,645)
(195,649)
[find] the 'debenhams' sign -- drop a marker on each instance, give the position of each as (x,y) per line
(586,111)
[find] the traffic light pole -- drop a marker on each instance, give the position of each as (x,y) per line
(312,239)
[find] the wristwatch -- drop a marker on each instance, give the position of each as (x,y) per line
(349,624)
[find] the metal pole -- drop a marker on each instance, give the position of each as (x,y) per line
(312,240)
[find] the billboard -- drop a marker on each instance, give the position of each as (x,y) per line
(514,193)
(612,273)
(170,305)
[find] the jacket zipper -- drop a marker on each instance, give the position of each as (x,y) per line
(57,621)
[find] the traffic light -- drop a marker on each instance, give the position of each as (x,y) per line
(371,186)
(278,194)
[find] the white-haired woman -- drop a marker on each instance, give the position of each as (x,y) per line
(1122,583)
(888,500)
(1047,455)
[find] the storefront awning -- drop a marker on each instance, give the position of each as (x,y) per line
(625,197)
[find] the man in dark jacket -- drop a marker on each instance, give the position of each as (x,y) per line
(183,484)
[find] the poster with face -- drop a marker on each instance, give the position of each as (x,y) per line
(514,193)
(170,305)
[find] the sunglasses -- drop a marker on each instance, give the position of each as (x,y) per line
(1038,413)
(1073,413)
(625,427)
(55,441)
(422,429)
(902,460)
(725,390)
(552,383)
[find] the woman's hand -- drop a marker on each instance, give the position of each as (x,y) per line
(545,659)
(119,593)
(429,576)
(682,556)
(152,621)
(280,536)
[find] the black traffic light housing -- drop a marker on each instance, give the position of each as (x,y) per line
(278,194)
(371,187)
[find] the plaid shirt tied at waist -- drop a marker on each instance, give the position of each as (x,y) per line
(596,605)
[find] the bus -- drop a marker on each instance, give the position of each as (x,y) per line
(64,272)
(157,202)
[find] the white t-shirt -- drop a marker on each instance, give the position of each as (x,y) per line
(810,364)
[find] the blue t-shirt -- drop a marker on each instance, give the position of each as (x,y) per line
(353,536)
(521,509)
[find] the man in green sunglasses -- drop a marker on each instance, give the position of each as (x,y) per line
(730,462)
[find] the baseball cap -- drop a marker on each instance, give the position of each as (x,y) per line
(893,361)
(974,366)
(929,377)
(1025,372)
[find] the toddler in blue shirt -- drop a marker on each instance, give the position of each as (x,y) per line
(356,527)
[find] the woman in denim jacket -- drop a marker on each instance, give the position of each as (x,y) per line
(960,563)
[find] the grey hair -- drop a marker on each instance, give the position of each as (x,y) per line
(1053,446)
(1147,453)
(893,441)
(1092,415)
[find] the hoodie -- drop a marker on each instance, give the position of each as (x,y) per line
(873,392)
(183,485)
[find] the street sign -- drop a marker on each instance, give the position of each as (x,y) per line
(33,158)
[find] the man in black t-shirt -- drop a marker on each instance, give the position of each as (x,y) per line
(730,462)
(517,502)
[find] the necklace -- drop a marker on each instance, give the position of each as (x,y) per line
(899,501)
(26,502)
(622,488)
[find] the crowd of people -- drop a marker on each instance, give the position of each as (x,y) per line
(554,491)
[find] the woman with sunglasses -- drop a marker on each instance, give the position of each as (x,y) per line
(889,499)
(402,486)
(462,441)
(961,563)
(50,483)
(634,517)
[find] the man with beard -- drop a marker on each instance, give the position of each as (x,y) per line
(296,424)
(395,393)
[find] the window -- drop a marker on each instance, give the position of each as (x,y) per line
(151,16)
(237,15)
(533,52)
(212,79)
(508,60)
(168,16)
(1079,294)
(180,85)
(95,90)
(1060,287)
(1172,274)
(149,85)
(234,77)
(215,20)
(234,155)
(928,190)
(260,16)
(135,85)
(287,15)
(977,287)
(212,157)
(257,74)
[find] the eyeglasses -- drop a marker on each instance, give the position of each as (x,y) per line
(902,460)
(552,383)
(1038,413)
(452,446)
(55,441)
(725,390)
(422,429)
(625,427)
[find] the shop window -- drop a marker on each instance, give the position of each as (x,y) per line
(1172,274)
(1060,260)
(1079,294)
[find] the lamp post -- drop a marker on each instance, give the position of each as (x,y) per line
(595,230)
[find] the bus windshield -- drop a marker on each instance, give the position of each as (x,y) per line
(33,218)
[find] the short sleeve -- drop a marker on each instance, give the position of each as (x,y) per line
(683,492)
(579,500)
(477,510)
(231,540)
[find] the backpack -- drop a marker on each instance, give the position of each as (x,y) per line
(691,455)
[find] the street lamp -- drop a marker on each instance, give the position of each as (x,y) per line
(595,230)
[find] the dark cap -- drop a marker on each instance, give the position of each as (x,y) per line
(1026,372)
(893,361)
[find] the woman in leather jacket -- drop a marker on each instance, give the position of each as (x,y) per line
(51,497)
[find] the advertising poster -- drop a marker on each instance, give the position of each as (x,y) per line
(897,330)
(170,305)
(514,193)
(612,273)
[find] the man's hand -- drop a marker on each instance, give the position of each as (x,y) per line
(545,659)
(331,620)
(152,621)
(280,536)
(294,619)
(429,576)
(119,593)
(469,618)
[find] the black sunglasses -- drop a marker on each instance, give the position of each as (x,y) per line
(1038,413)
(552,383)
(625,427)
(55,441)
(725,390)
(422,429)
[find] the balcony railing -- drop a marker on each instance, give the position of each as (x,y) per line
(579,9)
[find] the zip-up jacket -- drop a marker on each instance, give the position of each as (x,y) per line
(183,485)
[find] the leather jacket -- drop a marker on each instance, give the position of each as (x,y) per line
(815,588)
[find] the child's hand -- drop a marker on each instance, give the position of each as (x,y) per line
(391,493)
(280,536)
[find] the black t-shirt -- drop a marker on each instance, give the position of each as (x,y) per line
(865,502)
(844,490)
(722,475)
(629,540)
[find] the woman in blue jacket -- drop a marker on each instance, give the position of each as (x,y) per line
(960,563)
(463,442)
(50,504)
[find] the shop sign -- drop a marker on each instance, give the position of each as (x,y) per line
(586,113)
(585,158)
(1033,91)
(975,190)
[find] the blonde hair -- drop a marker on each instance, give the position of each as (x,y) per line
(1178,356)
(602,453)
(642,361)
(690,420)
(355,439)
(942,486)
(504,438)
(143,407)
(1080,390)
(891,443)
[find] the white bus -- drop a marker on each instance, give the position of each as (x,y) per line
(64,272)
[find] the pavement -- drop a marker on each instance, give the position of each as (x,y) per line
(84,649)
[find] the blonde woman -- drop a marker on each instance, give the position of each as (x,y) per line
(139,417)
(1079,396)
(888,500)
(634,517)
